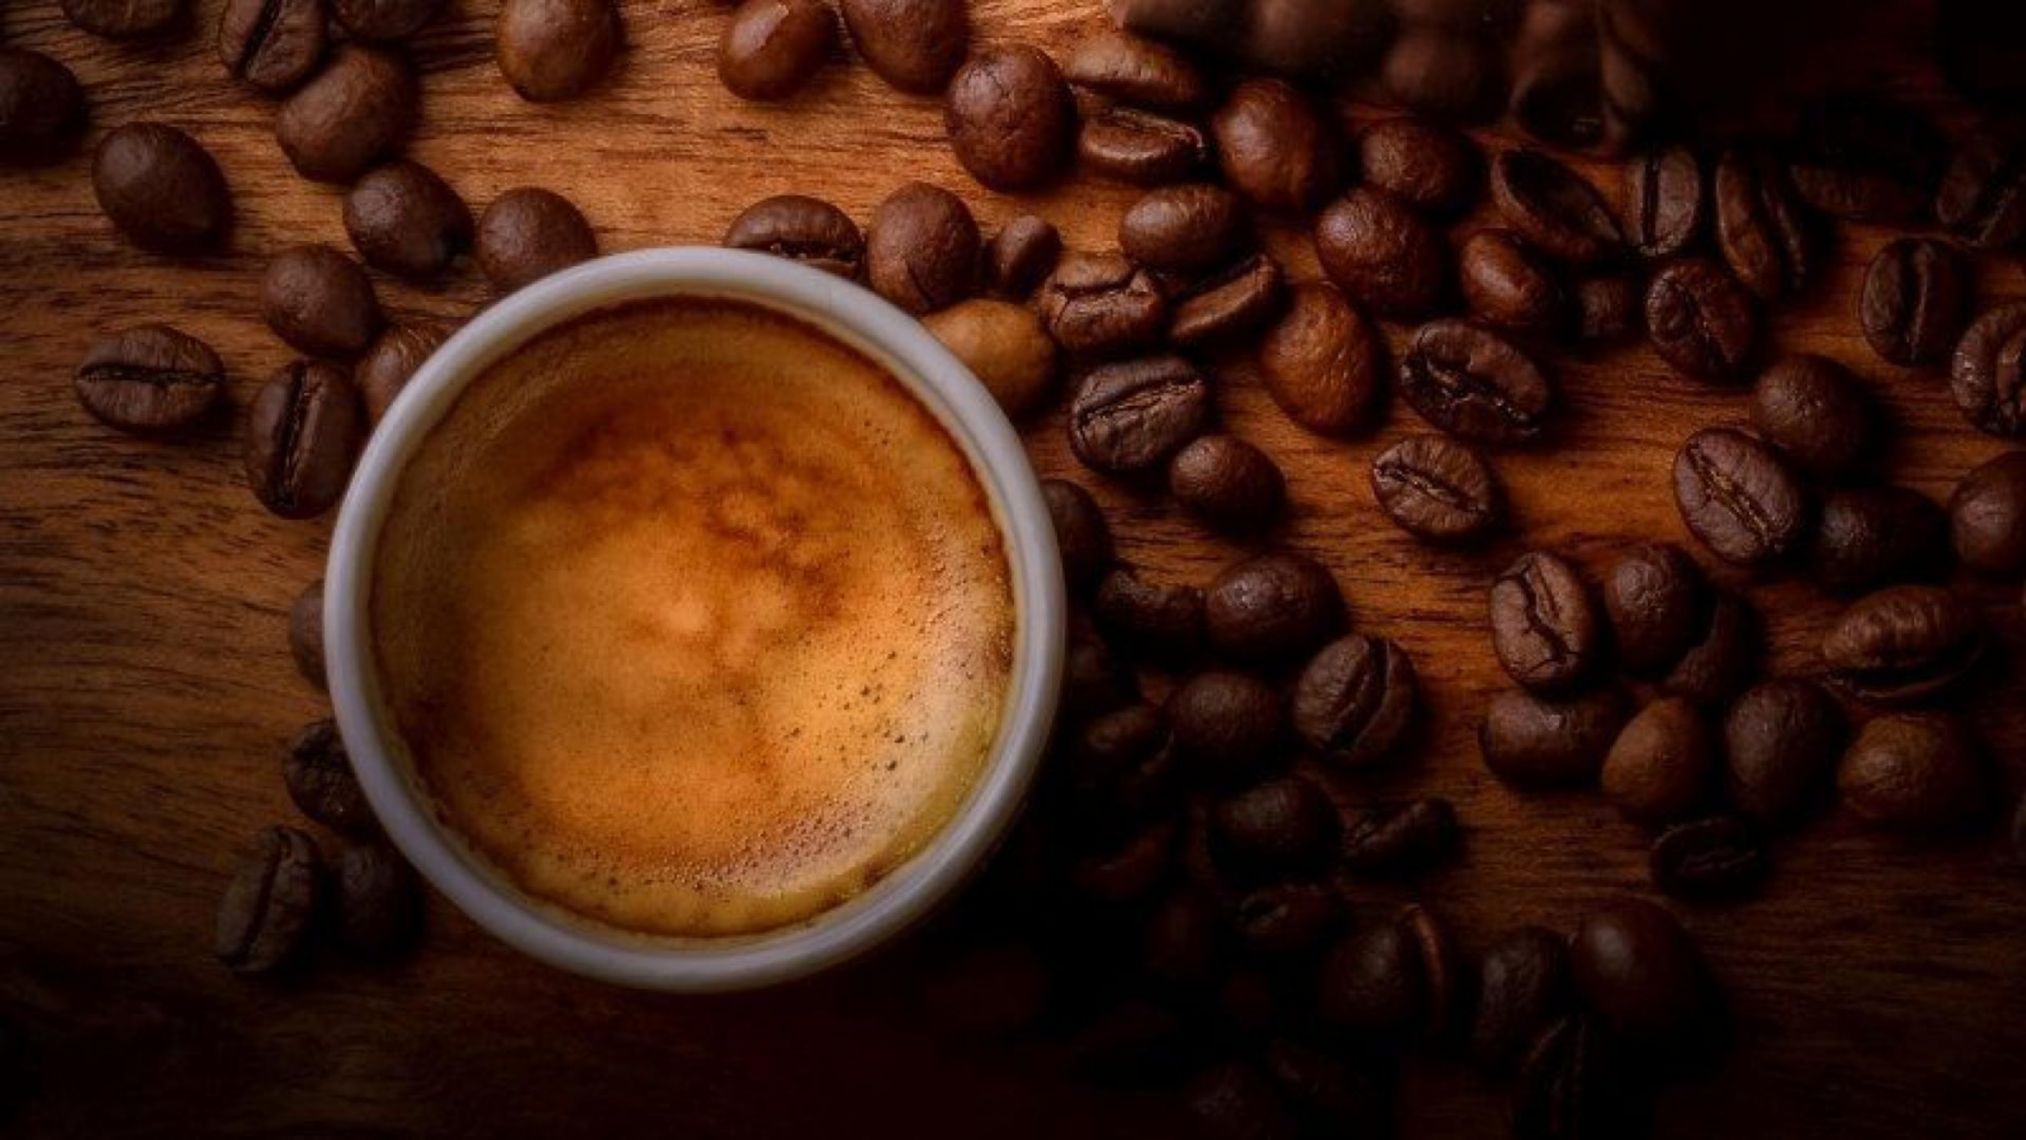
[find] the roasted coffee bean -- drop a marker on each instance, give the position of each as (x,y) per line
(1081,532)
(1275,147)
(1400,839)
(1544,624)
(161,189)
(1285,825)
(150,379)
(319,301)
(1140,72)
(1140,147)
(1982,199)
(391,362)
(1228,483)
(1227,305)
(1903,643)
(1573,1084)
(1607,308)
(1324,363)
(318,772)
(1010,117)
(1557,93)
(123,19)
(306,633)
(1554,208)
(1295,36)
(1760,230)
(1718,858)
(550,50)
(1505,284)
(1129,870)
(1004,346)
(1335,1095)
(1739,498)
(921,251)
(1023,252)
(1122,767)
(1868,161)
(303,431)
(379,901)
(1654,596)
(269,909)
(1987,375)
(1818,413)
(1094,678)
(1355,701)
(1663,765)
(1914,772)
(360,108)
(1440,967)
(41,108)
(1428,166)
(1441,73)
(1523,986)
(1161,619)
(914,45)
(1723,660)
(1876,536)
(1702,321)
(1228,727)
(1475,384)
(1373,983)
(272,45)
(405,219)
(1273,607)
(1183,944)
(1781,741)
(1133,416)
(384,19)
(1185,228)
(1533,742)
(1437,489)
(1665,202)
(800,228)
(1915,299)
(1987,517)
(1635,965)
(1382,254)
(1101,305)
(1290,920)
(771,49)
(528,233)
(1236,1101)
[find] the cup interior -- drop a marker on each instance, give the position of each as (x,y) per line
(855,317)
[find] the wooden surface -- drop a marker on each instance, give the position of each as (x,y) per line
(145,688)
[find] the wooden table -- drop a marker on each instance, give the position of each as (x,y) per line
(146,690)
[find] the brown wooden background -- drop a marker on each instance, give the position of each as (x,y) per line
(145,687)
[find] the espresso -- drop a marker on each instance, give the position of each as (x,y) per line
(693,621)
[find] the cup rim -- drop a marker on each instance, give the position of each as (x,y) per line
(935,377)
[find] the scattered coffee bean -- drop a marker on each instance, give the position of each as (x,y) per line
(306,633)
(1663,764)
(1094,678)
(1554,208)
(914,45)
(1760,229)
(1081,532)
(1285,825)
(1608,308)
(799,228)
(1437,489)
(1161,619)
(1868,161)
(1101,305)
(1523,986)
(161,189)
(1400,839)
(405,219)
(1428,166)
(1903,643)
(379,901)
(1191,227)
(1183,943)
(123,19)
(1701,321)
(272,45)
(1915,299)
(1720,858)
(551,50)
(1739,498)
(1227,305)
(1234,1099)
(921,251)
(1876,536)
(771,49)
(1441,968)
(1506,285)
(358,109)
(269,908)
(1010,117)
(1474,384)
(150,379)
(1289,920)
(1781,741)
(392,361)
(1535,742)
(1981,199)
(384,19)
(1574,1083)
(1355,701)
(1818,413)
(1654,595)
(319,776)
(1724,659)
(1023,252)
(1122,766)
(1140,72)
(1666,205)
(1544,624)
(1987,517)
(1273,607)
(1382,254)
(1635,965)
(303,431)
(41,108)
(1004,346)
(1275,147)
(1140,147)
(528,233)
(1228,726)
(1373,983)
(1228,483)
(319,301)
(1133,416)
(1323,362)
(1914,772)
(1987,375)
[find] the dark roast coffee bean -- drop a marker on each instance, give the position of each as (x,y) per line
(1875,536)
(123,19)
(550,50)
(1533,742)
(1227,305)
(1915,299)
(1101,305)
(272,45)
(1505,284)
(1285,825)
(1868,161)
(384,19)
(1355,701)
(1121,766)
(1654,596)
(1428,166)
(1522,987)
(1227,726)
(1323,362)
(915,45)
(1291,920)
(1373,983)
(1903,643)
(405,219)
(379,901)
(1987,517)
(1183,944)
(269,908)
(921,251)
(1010,117)
(1437,489)
(1723,659)
(1335,1095)
(319,301)
(1441,967)
(1023,252)
(1003,344)
(1608,308)
(1131,417)
(306,633)
(1760,229)
(1739,498)
(1475,384)
(1663,764)
(41,108)
(161,189)
(770,49)
(303,431)
(1228,483)
(1987,375)
(1913,772)
(1573,1084)
(360,108)
(1718,858)
(1235,1101)
(1159,618)
(1275,147)
(391,362)
(1554,208)
(1983,196)
(1781,741)
(1273,607)
(1557,90)
(1184,228)
(1140,147)
(1444,74)
(800,228)
(1635,965)
(1818,413)
(1544,624)
(1701,321)
(1382,254)
(1129,870)
(1094,678)
(319,776)
(528,233)
(1400,839)
(1665,202)
(1080,532)
(1140,72)
(150,379)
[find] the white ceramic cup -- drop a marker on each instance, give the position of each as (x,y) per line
(854,316)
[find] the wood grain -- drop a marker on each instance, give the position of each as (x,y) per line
(146,690)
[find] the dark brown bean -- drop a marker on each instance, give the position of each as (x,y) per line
(1915,772)
(1666,204)
(1094,678)
(1228,726)
(1781,741)
(1866,160)
(319,301)
(42,109)
(1472,383)
(303,431)
(1554,208)
(384,19)
(1544,624)
(1355,701)
(1818,413)
(1129,870)
(379,901)
(1228,483)
(1981,199)
(1987,375)
(1023,252)
(124,19)
(1274,607)
(1133,416)
(800,228)
(318,772)
(1441,968)
(150,379)
(1140,72)
(770,49)
(1532,742)
(306,633)
(1769,244)
(1290,920)
(358,110)
(1324,363)
(1437,489)
(1400,839)
(1185,228)
(1663,765)
(1987,517)
(1903,644)
(1654,595)
(272,45)
(1443,73)
(1718,858)
(1869,537)
(1635,965)
(1183,944)
(551,50)
(1608,308)
(914,45)
(1140,147)
(1121,768)
(1275,147)
(1702,321)
(1915,300)
(269,908)
(921,251)
(528,233)
(1373,983)
(1427,165)
(161,189)
(1506,285)
(1080,532)
(1283,826)
(1575,1081)
(1227,305)
(1522,987)
(405,219)
(1098,305)
(1161,619)
(1003,344)
(393,360)
(1235,1100)
(1739,498)
(1010,117)
(1724,658)
(1382,254)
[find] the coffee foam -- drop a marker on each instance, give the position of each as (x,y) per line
(692,620)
